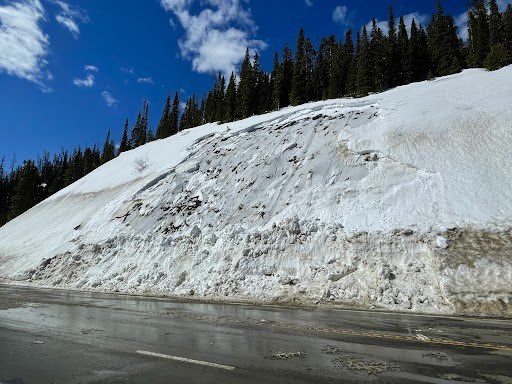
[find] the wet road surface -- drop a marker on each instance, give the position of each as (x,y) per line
(54,336)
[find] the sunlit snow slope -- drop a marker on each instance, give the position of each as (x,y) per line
(401,200)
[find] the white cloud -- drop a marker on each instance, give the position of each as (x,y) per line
(129,71)
(91,68)
(88,82)
(418,18)
(309,3)
(109,99)
(502,4)
(145,80)
(339,15)
(23,45)
(70,17)
(461,21)
(215,38)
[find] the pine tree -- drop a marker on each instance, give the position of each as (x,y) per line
(164,126)
(418,53)
(298,91)
(312,91)
(231,99)
(391,56)
(363,64)
(497,57)
(139,134)
(145,122)
(377,58)
(175,114)
(335,68)
(350,65)
(137,139)
(257,84)
(245,88)
(220,109)
(495,24)
(286,77)
(26,190)
(507,32)
(108,152)
(323,67)
(276,83)
(479,34)
(444,44)
(404,67)
(125,143)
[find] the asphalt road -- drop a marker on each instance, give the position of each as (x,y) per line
(53,336)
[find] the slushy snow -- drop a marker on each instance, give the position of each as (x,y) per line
(400,200)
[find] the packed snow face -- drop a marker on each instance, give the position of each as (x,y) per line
(401,200)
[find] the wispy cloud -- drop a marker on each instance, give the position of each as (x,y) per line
(461,21)
(88,82)
(145,80)
(109,99)
(215,38)
(339,15)
(129,71)
(70,16)
(23,44)
(309,3)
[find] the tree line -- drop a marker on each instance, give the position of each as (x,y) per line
(371,60)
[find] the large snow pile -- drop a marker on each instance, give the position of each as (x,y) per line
(401,200)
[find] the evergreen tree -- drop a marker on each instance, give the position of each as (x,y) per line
(444,44)
(507,32)
(418,53)
(363,64)
(479,34)
(164,126)
(377,56)
(276,83)
(108,152)
(245,88)
(495,24)
(191,116)
(125,143)
(298,91)
(350,65)
(175,114)
(231,99)
(404,67)
(323,67)
(286,77)
(335,68)
(220,109)
(497,57)
(139,134)
(392,56)
(137,137)
(257,84)
(26,191)
(312,91)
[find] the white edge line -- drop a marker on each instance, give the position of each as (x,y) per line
(185,360)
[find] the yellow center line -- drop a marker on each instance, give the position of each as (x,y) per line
(425,340)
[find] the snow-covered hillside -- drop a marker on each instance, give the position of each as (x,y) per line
(401,200)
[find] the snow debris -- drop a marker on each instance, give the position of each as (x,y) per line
(400,201)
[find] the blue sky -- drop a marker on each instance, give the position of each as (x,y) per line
(70,70)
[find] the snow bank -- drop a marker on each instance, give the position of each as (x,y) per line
(401,200)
